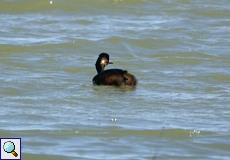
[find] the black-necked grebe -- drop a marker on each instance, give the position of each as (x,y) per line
(115,77)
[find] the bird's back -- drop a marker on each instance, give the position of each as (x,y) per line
(117,77)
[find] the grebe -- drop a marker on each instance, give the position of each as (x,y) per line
(114,77)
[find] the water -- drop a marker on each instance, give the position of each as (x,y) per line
(178,50)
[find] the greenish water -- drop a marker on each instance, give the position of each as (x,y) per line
(178,50)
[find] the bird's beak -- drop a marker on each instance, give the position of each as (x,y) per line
(110,62)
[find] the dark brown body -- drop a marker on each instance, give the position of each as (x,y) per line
(115,77)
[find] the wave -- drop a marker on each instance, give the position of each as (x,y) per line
(113,131)
(15,6)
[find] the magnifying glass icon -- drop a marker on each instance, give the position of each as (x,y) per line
(9,147)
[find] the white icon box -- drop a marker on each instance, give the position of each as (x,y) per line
(10,148)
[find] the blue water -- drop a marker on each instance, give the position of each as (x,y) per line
(178,50)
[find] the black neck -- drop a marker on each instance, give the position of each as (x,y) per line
(99,68)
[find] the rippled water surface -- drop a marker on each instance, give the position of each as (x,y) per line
(178,50)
